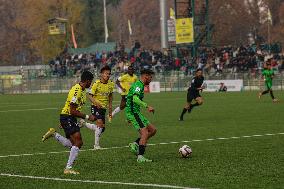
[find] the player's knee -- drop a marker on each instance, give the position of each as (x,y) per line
(79,143)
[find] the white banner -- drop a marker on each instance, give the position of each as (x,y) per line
(232,85)
(155,87)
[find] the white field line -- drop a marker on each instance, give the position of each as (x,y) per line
(24,110)
(162,143)
(36,109)
(95,181)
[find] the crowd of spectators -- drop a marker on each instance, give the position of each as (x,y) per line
(211,60)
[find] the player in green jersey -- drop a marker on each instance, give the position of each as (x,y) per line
(268,75)
(133,115)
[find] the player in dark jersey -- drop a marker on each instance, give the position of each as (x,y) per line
(193,93)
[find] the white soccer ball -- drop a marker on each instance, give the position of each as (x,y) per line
(185,151)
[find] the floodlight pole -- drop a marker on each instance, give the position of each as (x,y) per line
(105,22)
(163,23)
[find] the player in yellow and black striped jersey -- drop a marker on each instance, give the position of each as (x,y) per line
(101,98)
(72,109)
(124,82)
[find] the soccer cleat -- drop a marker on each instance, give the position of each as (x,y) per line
(82,123)
(70,172)
(97,147)
(133,147)
(48,134)
(180,119)
(259,95)
(142,159)
(275,100)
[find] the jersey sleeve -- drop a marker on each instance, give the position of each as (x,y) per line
(138,89)
(122,78)
(75,95)
(111,86)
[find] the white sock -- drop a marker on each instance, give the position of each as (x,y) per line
(98,133)
(115,111)
(64,141)
(91,126)
(72,157)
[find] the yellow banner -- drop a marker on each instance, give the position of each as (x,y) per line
(184,30)
(56,28)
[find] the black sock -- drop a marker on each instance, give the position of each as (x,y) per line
(141,149)
(264,92)
(137,140)
(183,112)
(271,94)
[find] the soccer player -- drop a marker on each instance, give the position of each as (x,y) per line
(101,97)
(268,75)
(193,93)
(124,82)
(133,114)
(72,110)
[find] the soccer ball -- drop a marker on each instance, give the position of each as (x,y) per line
(185,151)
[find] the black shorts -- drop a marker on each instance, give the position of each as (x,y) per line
(69,124)
(192,94)
(99,113)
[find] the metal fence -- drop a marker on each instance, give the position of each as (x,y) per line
(173,81)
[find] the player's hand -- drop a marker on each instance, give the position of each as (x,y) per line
(98,105)
(150,109)
(92,118)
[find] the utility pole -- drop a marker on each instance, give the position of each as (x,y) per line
(163,23)
(105,22)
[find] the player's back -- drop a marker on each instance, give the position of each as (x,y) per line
(77,96)
(136,89)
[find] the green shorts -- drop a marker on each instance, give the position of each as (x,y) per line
(137,120)
(268,85)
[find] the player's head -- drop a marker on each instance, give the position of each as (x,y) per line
(198,72)
(87,78)
(146,76)
(105,73)
(130,70)
(268,65)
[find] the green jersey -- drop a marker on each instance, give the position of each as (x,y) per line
(268,74)
(137,89)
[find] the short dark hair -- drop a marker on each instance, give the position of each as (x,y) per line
(147,71)
(105,68)
(87,76)
(197,70)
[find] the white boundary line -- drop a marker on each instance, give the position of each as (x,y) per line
(162,143)
(95,181)
(24,110)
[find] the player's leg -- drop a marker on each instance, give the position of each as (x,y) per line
(133,145)
(198,101)
(146,131)
(187,105)
(98,133)
(121,106)
(77,143)
(266,91)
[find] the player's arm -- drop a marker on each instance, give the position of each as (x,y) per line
(137,100)
(110,98)
(119,84)
(91,94)
(93,100)
(74,112)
